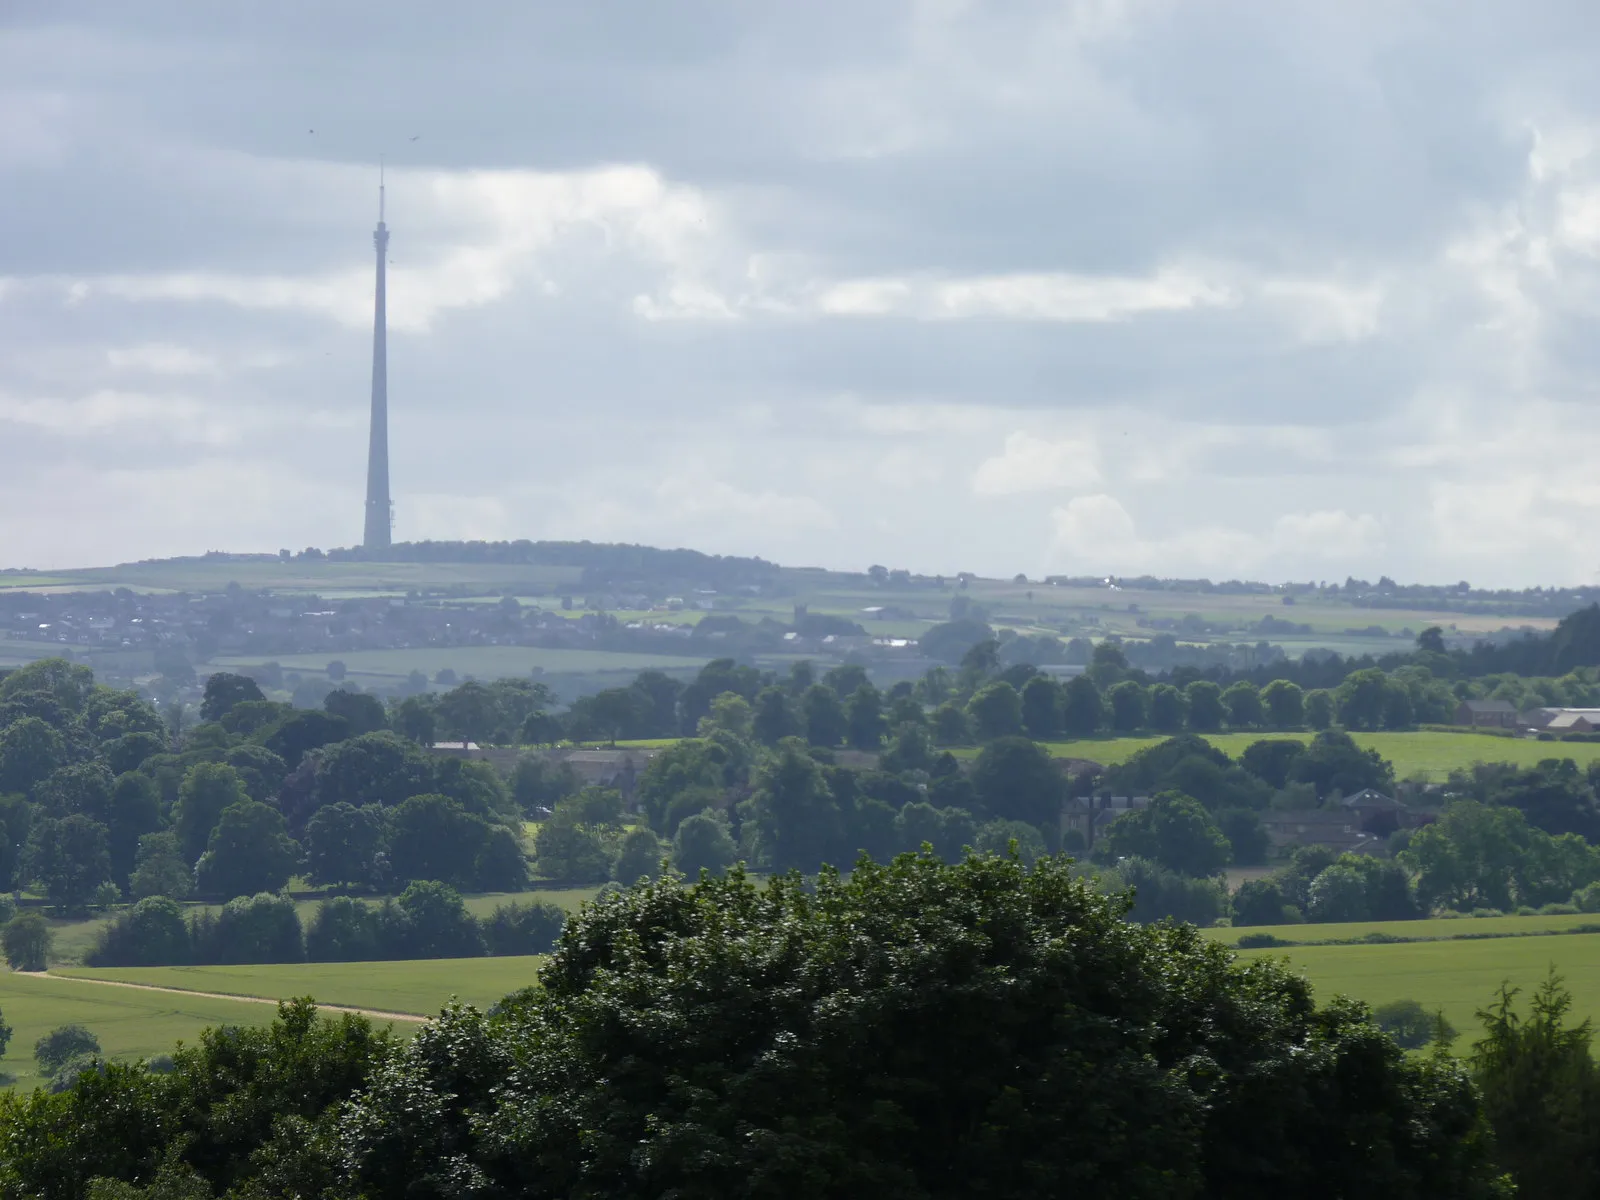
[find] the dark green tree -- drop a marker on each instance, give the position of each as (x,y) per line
(702,843)
(995,711)
(774,717)
(26,940)
(1015,779)
(851,1034)
(135,812)
(207,789)
(1173,830)
(1243,703)
(249,851)
(70,858)
(1082,712)
(434,837)
(224,691)
(1285,704)
(1127,701)
(823,716)
(795,814)
(342,845)
(863,712)
(1041,708)
(1203,702)
(375,768)
(150,934)
(364,713)
(639,856)
(1541,1092)
(29,750)
(1168,710)
(160,869)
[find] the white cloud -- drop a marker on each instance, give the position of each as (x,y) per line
(161,358)
(1057,297)
(1035,464)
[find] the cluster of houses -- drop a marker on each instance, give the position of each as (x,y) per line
(1501,714)
(1360,823)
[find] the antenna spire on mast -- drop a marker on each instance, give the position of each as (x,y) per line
(380,189)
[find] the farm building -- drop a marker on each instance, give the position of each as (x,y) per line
(1087,816)
(1492,714)
(1561,720)
(1335,828)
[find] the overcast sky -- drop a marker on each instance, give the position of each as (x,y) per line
(1269,289)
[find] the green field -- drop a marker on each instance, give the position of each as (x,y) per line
(74,938)
(1424,753)
(1436,927)
(1458,977)
(129,1023)
(483,662)
(421,987)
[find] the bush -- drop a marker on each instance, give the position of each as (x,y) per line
(1160,893)
(703,843)
(150,934)
(1410,1025)
(514,929)
(435,923)
(343,930)
(1260,941)
(1587,899)
(250,929)
(638,857)
(27,941)
(1487,912)
(996,837)
(1559,910)
(56,1048)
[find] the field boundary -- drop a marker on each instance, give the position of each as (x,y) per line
(376,1014)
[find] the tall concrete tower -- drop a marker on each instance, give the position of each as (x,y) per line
(380,512)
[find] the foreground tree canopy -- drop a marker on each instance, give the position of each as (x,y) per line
(918,1030)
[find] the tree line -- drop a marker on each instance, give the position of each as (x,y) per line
(919,1028)
(427,920)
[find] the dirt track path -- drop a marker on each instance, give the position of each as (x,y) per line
(376,1014)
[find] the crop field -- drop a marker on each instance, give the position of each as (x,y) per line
(130,1024)
(484,662)
(1422,753)
(1459,977)
(200,575)
(75,937)
(421,986)
(1436,927)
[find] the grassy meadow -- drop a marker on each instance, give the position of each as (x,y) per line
(130,1024)
(1429,754)
(1310,934)
(1458,977)
(420,987)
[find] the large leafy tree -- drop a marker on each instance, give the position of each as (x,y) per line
(1173,830)
(1016,779)
(796,816)
(70,858)
(343,843)
(918,1030)
(375,768)
(225,690)
(249,851)
(207,789)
